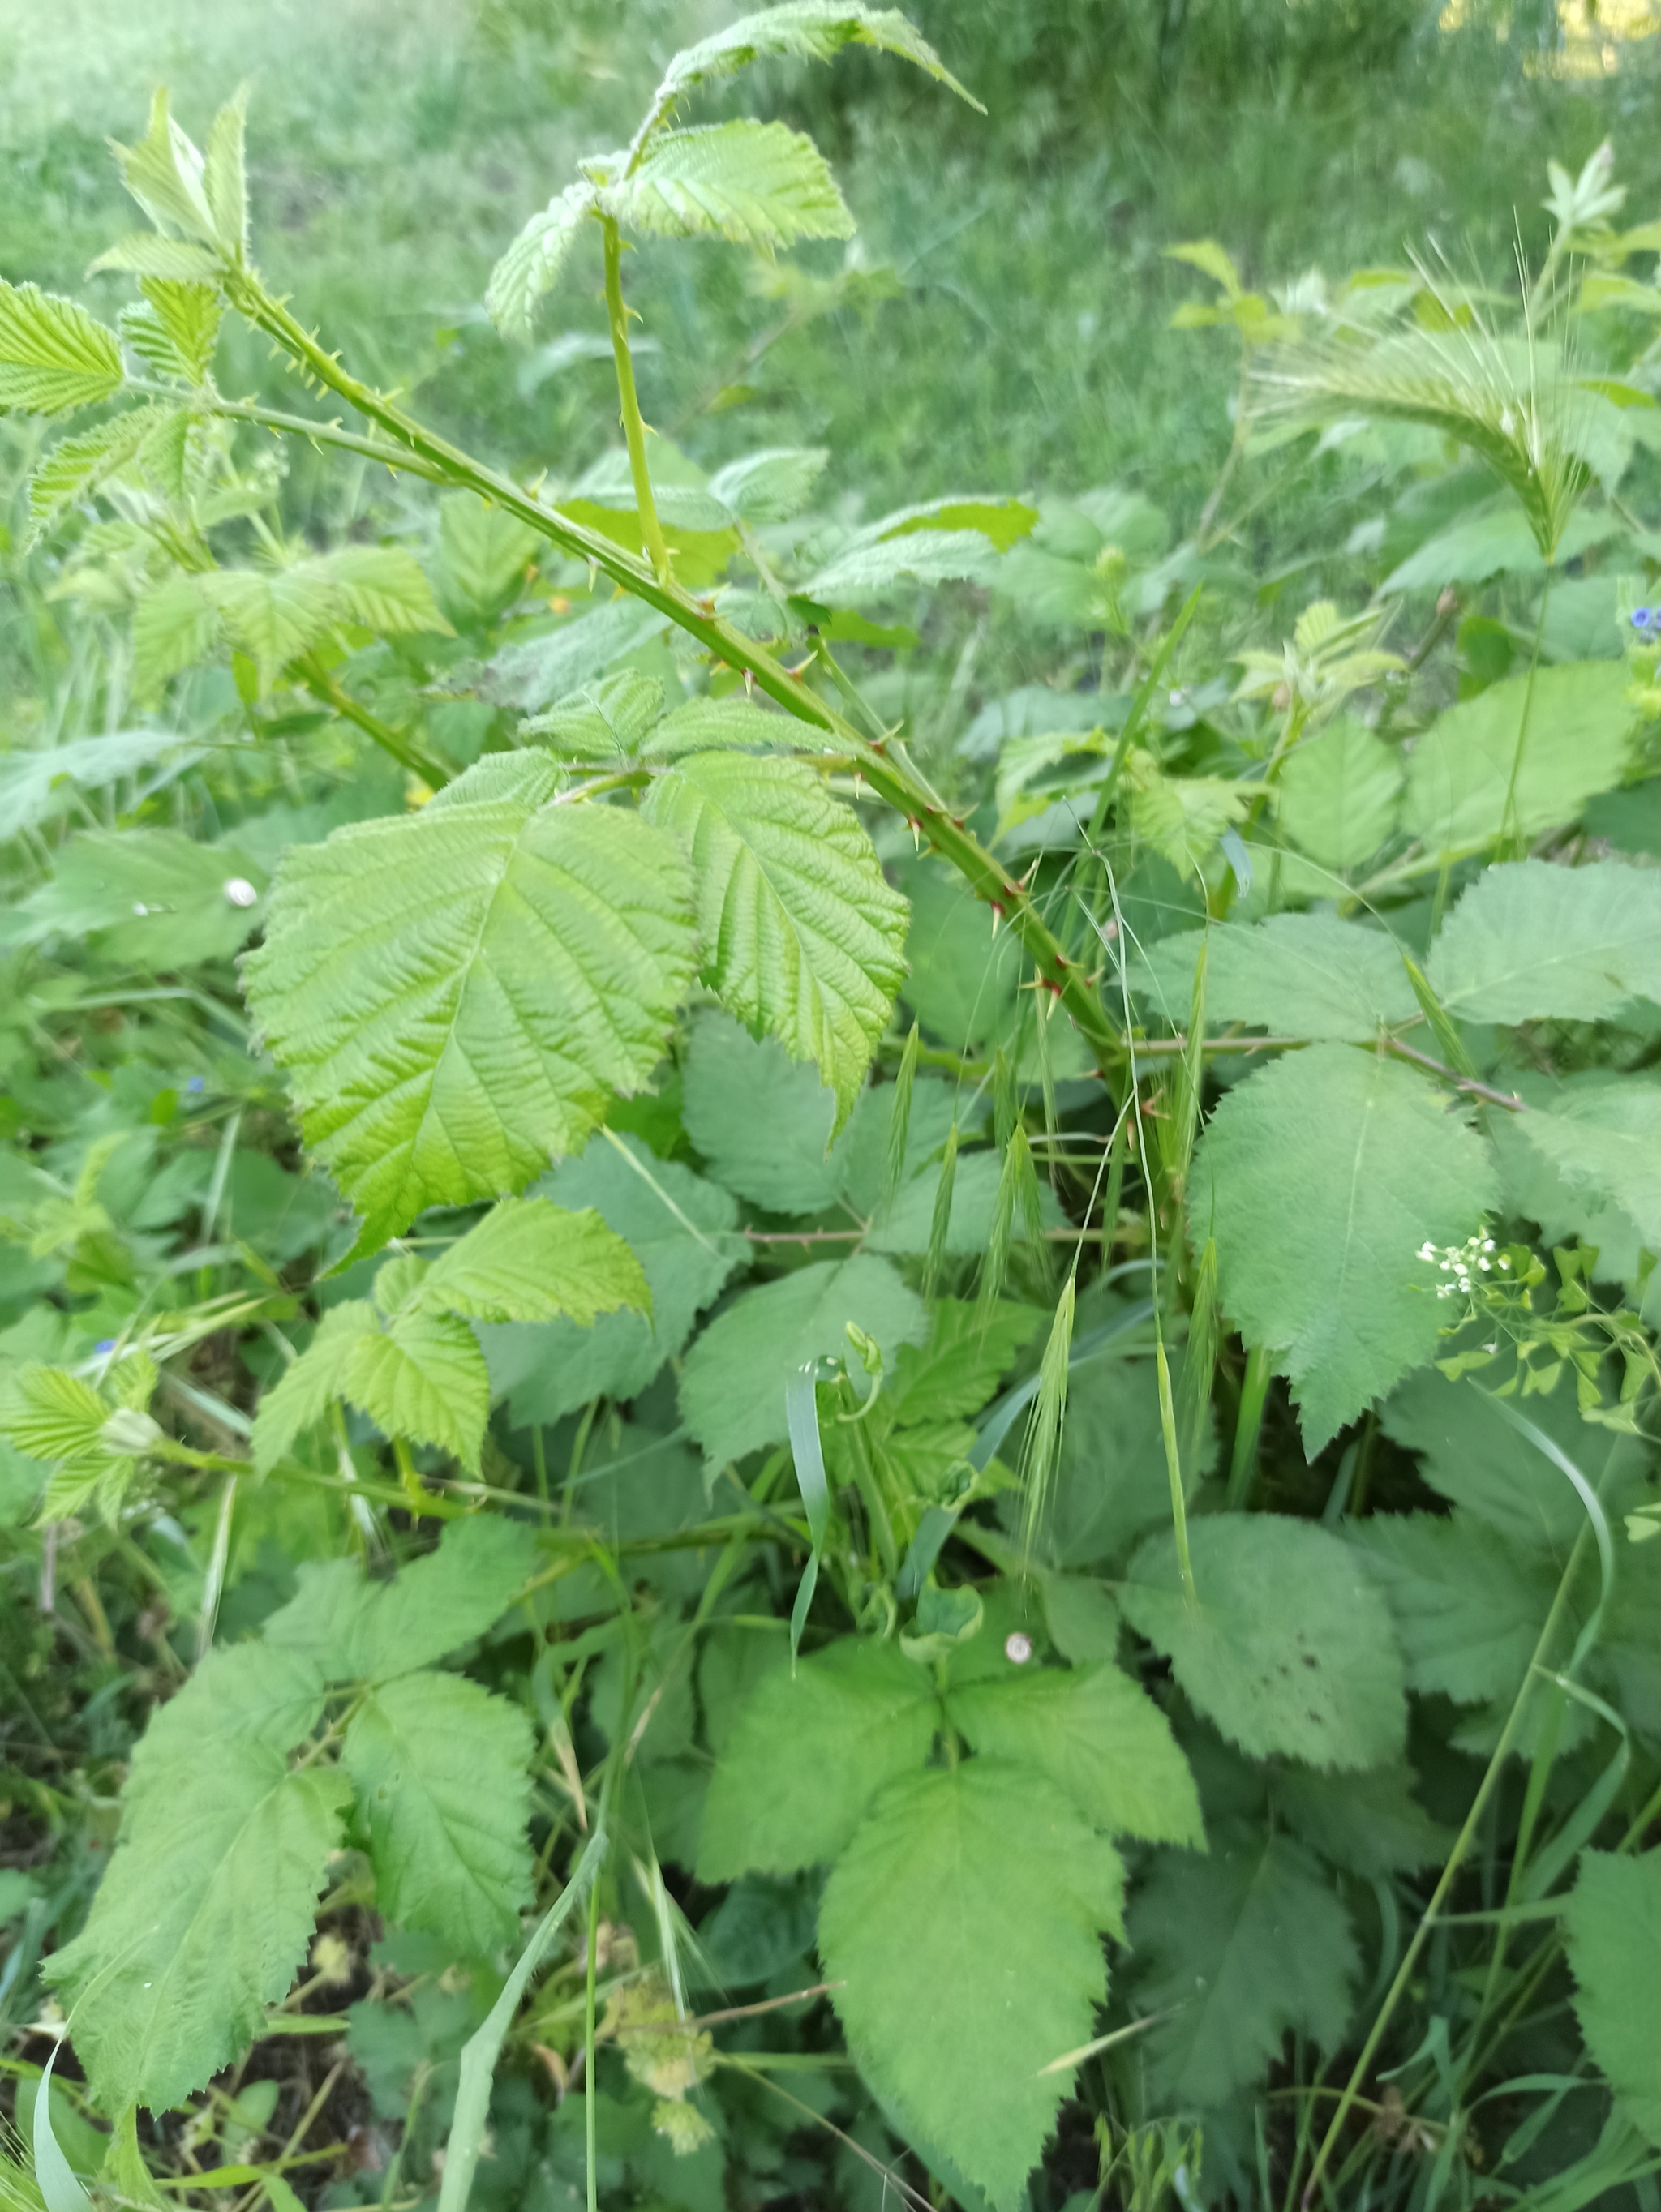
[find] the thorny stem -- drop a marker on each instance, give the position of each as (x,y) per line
(427,454)
(634,429)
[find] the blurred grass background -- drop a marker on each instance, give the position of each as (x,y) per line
(1005,325)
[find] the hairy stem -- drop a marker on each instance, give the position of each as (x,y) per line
(634,429)
(898,784)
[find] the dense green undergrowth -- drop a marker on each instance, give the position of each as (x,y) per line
(828,1356)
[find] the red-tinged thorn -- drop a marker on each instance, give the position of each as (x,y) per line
(997,915)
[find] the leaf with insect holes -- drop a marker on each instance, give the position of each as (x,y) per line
(352,1629)
(440,1768)
(1237,1948)
(1321,1177)
(1614,1943)
(1534,941)
(207,1906)
(801,30)
(1522,757)
(532,264)
(457,995)
(962,1921)
(1288,1647)
(1295,975)
(808,1753)
(1097,1737)
(756,183)
(53,356)
(801,935)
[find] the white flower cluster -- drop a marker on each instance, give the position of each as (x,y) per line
(1464,1264)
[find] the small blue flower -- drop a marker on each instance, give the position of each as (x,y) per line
(105,1344)
(195,1082)
(1643,617)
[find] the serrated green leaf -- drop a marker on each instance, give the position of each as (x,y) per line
(733,1380)
(207,1907)
(34,785)
(800,934)
(772,485)
(354,1630)
(1289,1651)
(485,552)
(970,1347)
(1603,1138)
(1468,1607)
(172,260)
(175,331)
(167,901)
(532,264)
(1338,793)
(530,1259)
(756,183)
(424,1377)
(1473,1458)
(1295,975)
(679,1228)
(52,1414)
(868,567)
(1533,941)
(1321,1177)
(762,1120)
(224,181)
(1368,1824)
(1614,1937)
(604,720)
(1097,1737)
(702,725)
(457,995)
(164,172)
(74,467)
(803,30)
(962,1921)
(300,1396)
(440,1768)
(53,356)
(1467,782)
(1183,817)
(1243,1947)
(808,1753)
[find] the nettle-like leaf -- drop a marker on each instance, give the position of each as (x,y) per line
(440,1768)
(1468,1606)
(456,995)
(756,183)
(1320,1179)
(800,932)
(1289,1648)
(352,1629)
(809,1752)
(1239,1948)
(1522,757)
(964,1924)
(532,264)
(1533,941)
(275,614)
(53,355)
(411,1361)
(1338,792)
(1295,975)
(74,467)
(800,30)
(175,331)
(206,1909)
(1604,1140)
(1614,1937)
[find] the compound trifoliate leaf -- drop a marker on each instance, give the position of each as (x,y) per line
(808,1753)
(1289,1648)
(457,994)
(733,1382)
(1097,1737)
(1534,941)
(207,1907)
(440,1768)
(800,932)
(757,183)
(964,1924)
(1295,975)
(53,356)
(1321,1178)
(1481,770)
(1240,1947)
(1613,1934)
